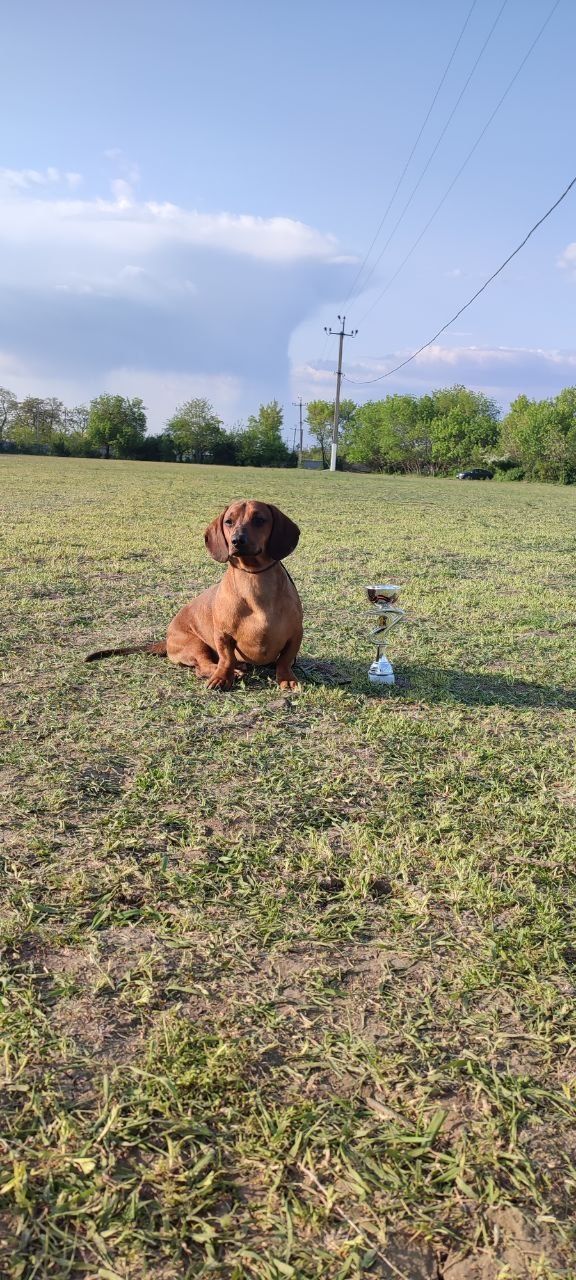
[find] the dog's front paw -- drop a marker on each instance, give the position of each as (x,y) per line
(287,680)
(222,678)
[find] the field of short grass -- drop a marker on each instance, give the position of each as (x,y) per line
(288,984)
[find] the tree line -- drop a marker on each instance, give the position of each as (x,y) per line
(114,426)
(435,434)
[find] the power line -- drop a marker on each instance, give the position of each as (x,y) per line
(476,144)
(474,296)
(437,144)
(405,169)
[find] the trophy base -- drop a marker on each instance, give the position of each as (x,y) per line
(381,672)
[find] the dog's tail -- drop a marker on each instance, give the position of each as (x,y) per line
(159,647)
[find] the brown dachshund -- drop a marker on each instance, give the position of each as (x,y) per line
(253,616)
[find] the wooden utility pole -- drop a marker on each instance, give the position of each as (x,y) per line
(298,405)
(341,334)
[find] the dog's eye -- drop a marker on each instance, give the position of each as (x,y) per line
(258,520)
(228,522)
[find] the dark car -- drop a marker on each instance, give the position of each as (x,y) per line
(476,473)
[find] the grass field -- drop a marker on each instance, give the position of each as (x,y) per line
(288,984)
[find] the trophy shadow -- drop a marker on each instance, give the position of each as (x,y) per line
(442,685)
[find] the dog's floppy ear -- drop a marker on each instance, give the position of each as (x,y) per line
(215,539)
(284,537)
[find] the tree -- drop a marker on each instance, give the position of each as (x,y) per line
(70,439)
(392,434)
(35,421)
(565,407)
(261,443)
(541,436)
(151,449)
(8,409)
(320,418)
(465,426)
(76,419)
(116,424)
(196,432)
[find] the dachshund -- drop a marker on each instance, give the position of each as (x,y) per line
(252,617)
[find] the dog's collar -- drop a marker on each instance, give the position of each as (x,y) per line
(252,572)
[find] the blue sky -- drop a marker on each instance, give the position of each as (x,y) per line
(188,191)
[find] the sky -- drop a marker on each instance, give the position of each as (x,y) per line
(188,192)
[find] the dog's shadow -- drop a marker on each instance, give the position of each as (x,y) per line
(307,671)
(437,685)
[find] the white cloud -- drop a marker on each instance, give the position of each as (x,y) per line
(122,224)
(567,259)
(23,380)
(314,376)
(130,272)
(122,192)
(108,293)
(76,287)
(17,180)
(161,390)
(24,179)
(123,165)
(10,366)
(439,356)
(502,372)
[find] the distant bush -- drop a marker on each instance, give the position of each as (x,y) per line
(512,473)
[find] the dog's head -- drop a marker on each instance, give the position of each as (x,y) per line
(251,530)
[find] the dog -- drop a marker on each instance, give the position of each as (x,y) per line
(253,617)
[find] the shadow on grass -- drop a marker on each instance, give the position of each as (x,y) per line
(442,685)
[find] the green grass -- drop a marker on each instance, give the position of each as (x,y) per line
(288,984)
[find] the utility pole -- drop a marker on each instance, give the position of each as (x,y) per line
(341,334)
(298,405)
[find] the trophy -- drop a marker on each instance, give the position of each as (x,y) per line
(387,613)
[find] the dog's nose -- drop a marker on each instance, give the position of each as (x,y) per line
(238,539)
